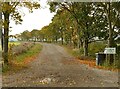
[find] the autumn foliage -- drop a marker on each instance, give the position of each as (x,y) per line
(92,63)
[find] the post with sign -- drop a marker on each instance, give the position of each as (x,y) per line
(110,51)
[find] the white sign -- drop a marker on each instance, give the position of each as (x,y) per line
(110,51)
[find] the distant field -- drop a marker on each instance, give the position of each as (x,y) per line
(13,43)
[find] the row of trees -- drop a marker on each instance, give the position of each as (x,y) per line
(80,23)
(34,35)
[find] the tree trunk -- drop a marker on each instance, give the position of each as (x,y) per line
(62,39)
(1,34)
(56,38)
(86,36)
(85,46)
(6,32)
(81,43)
(2,39)
(78,31)
(110,39)
(43,39)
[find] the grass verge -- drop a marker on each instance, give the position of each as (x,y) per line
(20,61)
(91,60)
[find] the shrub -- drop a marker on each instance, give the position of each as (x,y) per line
(95,48)
(76,52)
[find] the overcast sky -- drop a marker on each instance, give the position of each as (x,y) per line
(36,20)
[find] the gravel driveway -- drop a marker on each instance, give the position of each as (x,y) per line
(56,68)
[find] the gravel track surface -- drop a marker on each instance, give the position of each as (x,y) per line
(54,67)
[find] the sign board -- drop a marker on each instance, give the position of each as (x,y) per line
(110,51)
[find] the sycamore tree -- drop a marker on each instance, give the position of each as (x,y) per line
(35,34)
(45,33)
(41,35)
(53,29)
(60,23)
(61,27)
(84,16)
(26,35)
(64,20)
(11,9)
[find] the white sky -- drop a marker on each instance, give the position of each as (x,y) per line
(36,20)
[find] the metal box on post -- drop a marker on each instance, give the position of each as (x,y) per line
(100,58)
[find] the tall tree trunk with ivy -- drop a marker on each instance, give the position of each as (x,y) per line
(110,38)
(85,45)
(56,38)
